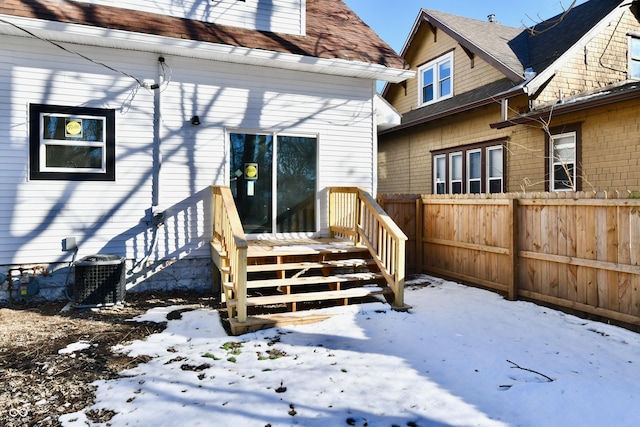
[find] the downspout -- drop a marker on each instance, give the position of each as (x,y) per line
(157,214)
(157,139)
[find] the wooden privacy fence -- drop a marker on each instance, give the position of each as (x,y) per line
(575,250)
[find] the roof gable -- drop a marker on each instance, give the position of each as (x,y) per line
(333,30)
(488,40)
(512,50)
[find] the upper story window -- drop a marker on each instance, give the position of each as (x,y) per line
(478,168)
(562,169)
(634,57)
(436,79)
(71,143)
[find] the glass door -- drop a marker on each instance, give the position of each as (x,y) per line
(274,200)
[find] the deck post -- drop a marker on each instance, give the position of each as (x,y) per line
(357,217)
(398,292)
(241,284)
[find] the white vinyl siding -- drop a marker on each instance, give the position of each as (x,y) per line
(113,217)
(278,16)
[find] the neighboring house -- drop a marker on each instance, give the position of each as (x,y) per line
(117,117)
(499,109)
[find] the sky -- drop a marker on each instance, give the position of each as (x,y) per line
(460,357)
(393,20)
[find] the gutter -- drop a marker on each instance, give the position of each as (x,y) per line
(571,107)
(118,39)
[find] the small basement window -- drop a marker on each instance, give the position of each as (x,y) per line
(71,143)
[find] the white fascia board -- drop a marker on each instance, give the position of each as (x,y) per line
(117,39)
(543,77)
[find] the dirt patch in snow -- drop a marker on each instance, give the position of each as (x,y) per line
(49,357)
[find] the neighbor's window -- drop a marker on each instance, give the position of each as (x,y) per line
(562,168)
(474,171)
(476,168)
(455,168)
(436,79)
(495,170)
(634,58)
(71,143)
(440,174)
(563,162)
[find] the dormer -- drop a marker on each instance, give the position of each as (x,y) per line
(276,16)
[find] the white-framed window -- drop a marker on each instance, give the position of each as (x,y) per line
(478,168)
(436,80)
(440,174)
(562,159)
(71,143)
(474,171)
(495,169)
(634,57)
(455,169)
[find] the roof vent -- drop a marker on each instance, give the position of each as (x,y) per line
(491,17)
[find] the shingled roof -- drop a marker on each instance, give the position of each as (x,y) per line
(489,40)
(514,50)
(333,30)
(550,39)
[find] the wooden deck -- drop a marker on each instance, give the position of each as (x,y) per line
(264,282)
(305,246)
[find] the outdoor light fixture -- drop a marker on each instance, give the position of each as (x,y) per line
(195,120)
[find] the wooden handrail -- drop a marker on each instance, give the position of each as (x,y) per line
(229,235)
(354,214)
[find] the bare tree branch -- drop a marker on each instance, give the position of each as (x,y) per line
(554,24)
(516,366)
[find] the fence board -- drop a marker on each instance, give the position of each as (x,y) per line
(575,250)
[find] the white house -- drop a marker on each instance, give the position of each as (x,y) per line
(117,117)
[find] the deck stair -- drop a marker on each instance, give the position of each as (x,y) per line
(294,275)
(269,282)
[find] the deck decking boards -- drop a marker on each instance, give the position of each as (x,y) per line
(309,246)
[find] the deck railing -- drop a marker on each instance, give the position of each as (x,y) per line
(354,214)
(229,236)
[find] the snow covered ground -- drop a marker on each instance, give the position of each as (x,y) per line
(461,357)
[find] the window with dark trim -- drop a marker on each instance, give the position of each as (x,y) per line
(477,168)
(71,143)
(562,168)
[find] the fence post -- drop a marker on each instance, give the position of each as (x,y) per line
(515,233)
